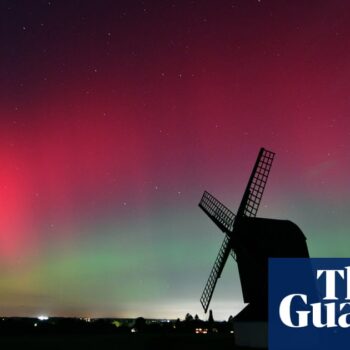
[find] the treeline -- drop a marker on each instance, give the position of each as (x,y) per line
(189,324)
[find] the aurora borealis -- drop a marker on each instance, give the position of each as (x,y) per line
(117,115)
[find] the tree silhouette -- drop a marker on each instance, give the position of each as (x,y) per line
(140,324)
(211,318)
(188,317)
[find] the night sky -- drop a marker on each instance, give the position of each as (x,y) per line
(117,115)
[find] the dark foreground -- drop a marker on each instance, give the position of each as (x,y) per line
(119,341)
(85,333)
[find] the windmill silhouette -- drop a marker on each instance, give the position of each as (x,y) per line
(251,241)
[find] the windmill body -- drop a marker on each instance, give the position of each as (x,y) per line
(251,241)
(259,239)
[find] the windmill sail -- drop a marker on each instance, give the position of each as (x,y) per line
(215,273)
(221,215)
(256,184)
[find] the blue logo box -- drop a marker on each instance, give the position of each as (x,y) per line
(309,304)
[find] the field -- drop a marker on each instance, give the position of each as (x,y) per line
(119,341)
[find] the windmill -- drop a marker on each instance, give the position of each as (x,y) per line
(251,241)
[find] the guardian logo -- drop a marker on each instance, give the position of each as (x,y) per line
(309,304)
